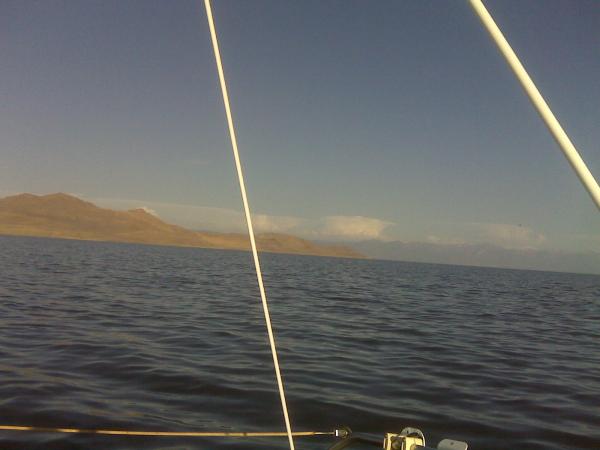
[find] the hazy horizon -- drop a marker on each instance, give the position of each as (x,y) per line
(482,254)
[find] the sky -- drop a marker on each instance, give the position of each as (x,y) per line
(387,120)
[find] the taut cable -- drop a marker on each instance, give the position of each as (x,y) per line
(236,434)
(238,165)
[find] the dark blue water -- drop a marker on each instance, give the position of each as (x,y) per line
(143,337)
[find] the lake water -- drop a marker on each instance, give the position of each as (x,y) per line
(142,337)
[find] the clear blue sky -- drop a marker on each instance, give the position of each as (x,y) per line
(393,120)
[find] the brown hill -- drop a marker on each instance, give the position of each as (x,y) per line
(64,216)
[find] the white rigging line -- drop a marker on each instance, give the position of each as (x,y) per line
(238,165)
(540,104)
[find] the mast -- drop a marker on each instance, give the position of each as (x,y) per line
(557,131)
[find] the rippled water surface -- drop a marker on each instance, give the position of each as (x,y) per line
(141,337)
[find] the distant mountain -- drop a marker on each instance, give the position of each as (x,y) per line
(65,216)
(482,255)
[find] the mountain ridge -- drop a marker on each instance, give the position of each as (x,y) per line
(61,215)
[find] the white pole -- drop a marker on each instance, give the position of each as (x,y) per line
(540,104)
(238,165)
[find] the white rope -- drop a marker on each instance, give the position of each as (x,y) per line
(238,165)
(234,434)
(540,104)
